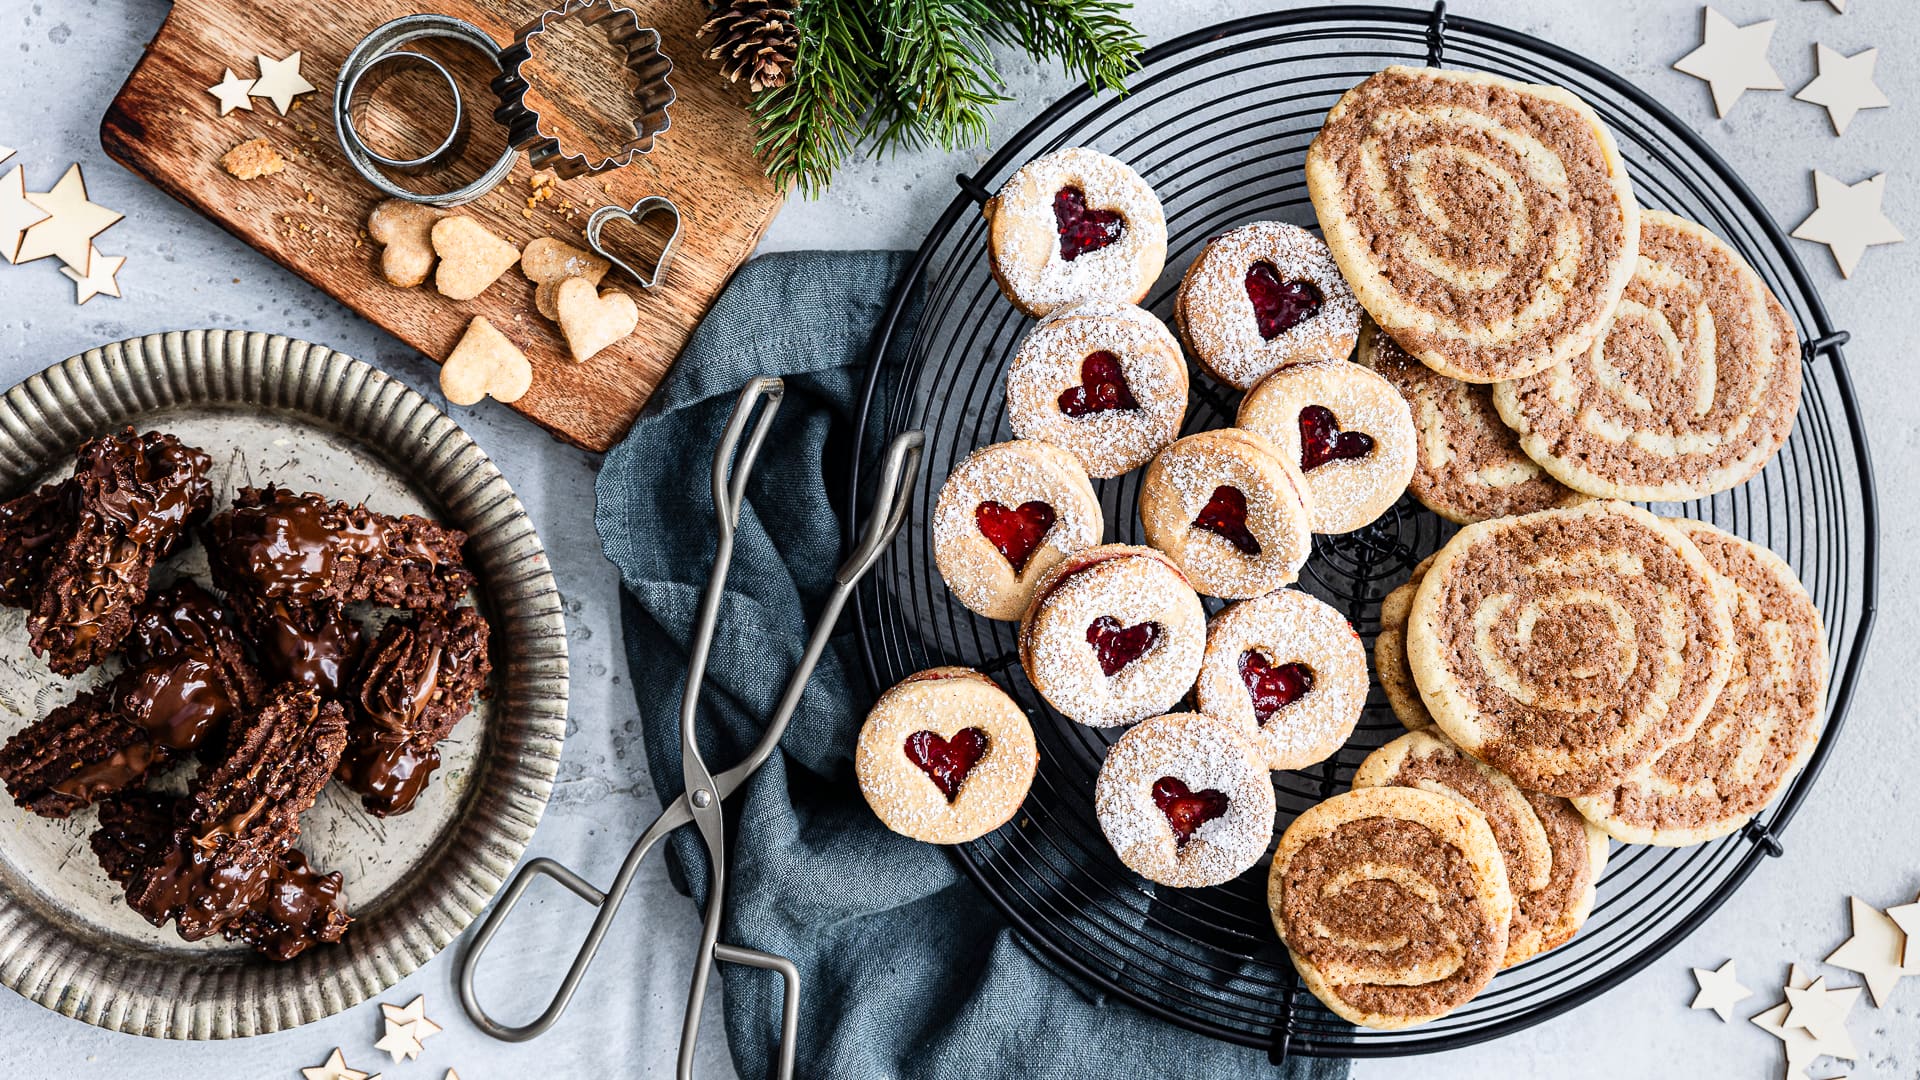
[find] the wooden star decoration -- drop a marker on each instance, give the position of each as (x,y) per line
(99,278)
(1822,1012)
(1720,990)
(334,1069)
(71,224)
(400,1042)
(1875,951)
(1732,59)
(1906,917)
(1848,219)
(16,213)
(1802,1048)
(414,1013)
(451,1075)
(1844,86)
(234,92)
(5,152)
(280,81)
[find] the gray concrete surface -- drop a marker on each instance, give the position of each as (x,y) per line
(62,63)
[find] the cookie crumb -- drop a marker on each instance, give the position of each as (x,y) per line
(253,159)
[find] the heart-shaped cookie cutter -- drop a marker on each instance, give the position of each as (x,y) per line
(634,215)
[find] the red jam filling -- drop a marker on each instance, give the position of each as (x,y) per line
(947,761)
(1279,306)
(1186,809)
(1083,230)
(1226,514)
(1273,688)
(1103,387)
(1321,439)
(1017,532)
(1116,645)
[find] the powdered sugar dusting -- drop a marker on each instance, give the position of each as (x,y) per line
(1183,479)
(1133,586)
(1348,494)
(1288,626)
(1026,249)
(1217,317)
(945,701)
(1010,473)
(1203,752)
(1049,362)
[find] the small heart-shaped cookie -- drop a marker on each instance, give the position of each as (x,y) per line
(592,320)
(471,258)
(405,230)
(548,262)
(485,364)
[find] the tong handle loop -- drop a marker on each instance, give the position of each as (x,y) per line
(574,883)
(730,473)
(789,1004)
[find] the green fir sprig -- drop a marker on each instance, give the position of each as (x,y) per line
(887,74)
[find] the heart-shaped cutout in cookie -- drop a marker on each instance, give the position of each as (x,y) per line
(471,258)
(947,761)
(1226,515)
(1116,645)
(1185,808)
(1272,686)
(547,262)
(592,320)
(1082,230)
(1279,306)
(404,230)
(1321,439)
(656,220)
(1103,387)
(485,364)
(1016,532)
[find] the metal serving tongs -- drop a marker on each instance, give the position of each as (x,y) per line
(701,802)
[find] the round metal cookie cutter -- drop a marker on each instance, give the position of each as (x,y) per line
(382,42)
(377,71)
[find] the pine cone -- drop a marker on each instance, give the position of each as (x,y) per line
(754,40)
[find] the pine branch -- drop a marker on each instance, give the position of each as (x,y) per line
(940,67)
(809,126)
(1091,37)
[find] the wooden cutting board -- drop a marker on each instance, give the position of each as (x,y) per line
(164,126)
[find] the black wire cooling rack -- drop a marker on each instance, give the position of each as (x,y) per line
(1219,122)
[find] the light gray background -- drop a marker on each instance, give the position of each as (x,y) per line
(62,63)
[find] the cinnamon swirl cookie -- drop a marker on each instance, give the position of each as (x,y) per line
(1114,635)
(945,756)
(1393,903)
(1690,391)
(1263,296)
(1287,670)
(1185,801)
(1568,648)
(1762,727)
(1468,465)
(1487,224)
(1390,667)
(1102,380)
(1006,515)
(1074,225)
(1350,431)
(1552,855)
(1230,511)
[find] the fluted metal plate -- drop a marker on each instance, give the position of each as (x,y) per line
(269,408)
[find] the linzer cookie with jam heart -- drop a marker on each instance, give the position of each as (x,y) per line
(1763,726)
(1264,296)
(1487,224)
(1071,226)
(1690,391)
(1103,380)
(1553,856)
(945,756)
(1006,515)
(1568,648)
(1468,465)
(1185,800)
(1393,903)
(1289,672)
(1114,635)
(1349,431)
(1230,510)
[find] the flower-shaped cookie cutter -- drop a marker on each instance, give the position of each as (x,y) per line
(640,50)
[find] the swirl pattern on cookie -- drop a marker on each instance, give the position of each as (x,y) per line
(1568,648)
(1487,224)
(1763,726)
(1468,465)
(1393,903)
(1390,667)
(1553,855)
(1691,390)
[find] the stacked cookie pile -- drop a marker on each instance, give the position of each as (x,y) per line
(1529,350)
